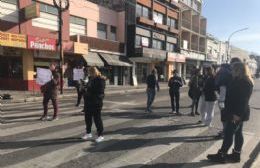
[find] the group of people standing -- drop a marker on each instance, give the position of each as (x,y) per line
(230,87)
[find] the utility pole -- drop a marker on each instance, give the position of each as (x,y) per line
(61,5)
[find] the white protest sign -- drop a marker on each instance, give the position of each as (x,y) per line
(43,76)
(78,74)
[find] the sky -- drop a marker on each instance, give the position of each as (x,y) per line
(226,16)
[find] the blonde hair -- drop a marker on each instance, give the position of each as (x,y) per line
(241,71)
(94,72)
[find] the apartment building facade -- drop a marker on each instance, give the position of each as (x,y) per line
(193,34)
(153,37)
(92,35)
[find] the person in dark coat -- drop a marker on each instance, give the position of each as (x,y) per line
(174,84)
(152,84)
(237,112)
(209,92)
(50,92)
(194,92)
(93,101)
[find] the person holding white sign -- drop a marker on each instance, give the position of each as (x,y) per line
(50,92)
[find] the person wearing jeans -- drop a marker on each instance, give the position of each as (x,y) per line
(237,111)
(152,83)
(50,92)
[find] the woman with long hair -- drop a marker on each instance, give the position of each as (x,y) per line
(93,101)
(237,111)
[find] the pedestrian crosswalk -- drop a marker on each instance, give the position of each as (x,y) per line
(132,138)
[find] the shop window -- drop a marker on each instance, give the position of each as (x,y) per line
(102,31)
(113,33)
(157,44)
(11,67)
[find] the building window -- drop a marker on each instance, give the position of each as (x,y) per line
(157,44)
(11,67)
(158,17)
(172,22)
(170,47)
(141,41)
(102,31)
(142,11)
(10,1)
(77,25)
(48,9)
(113,33)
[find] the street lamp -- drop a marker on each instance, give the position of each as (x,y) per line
(61,5)
(229,56)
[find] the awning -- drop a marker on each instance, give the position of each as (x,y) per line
(115,60)
(93,59)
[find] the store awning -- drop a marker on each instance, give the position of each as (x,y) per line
(115,60)
(93,59)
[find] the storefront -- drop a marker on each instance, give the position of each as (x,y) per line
(145,60)
(175,61)
(12,48)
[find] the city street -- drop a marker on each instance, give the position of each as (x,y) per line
(133,138)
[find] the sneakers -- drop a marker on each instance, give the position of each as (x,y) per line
(199,122)
(55,118)
(99,139)
(197,113)
(87,137)
(234,157)
(172,112)
(220,157)
(45,118)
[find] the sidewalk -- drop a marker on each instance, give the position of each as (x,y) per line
(29,96)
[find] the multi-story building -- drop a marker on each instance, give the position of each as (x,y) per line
(153,37)
(92,35)
(213,55)
(193,34)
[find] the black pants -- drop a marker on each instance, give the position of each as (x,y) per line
(79,93)
(96,114)
(45,102)
(175,98)
(195,104)
(232,129)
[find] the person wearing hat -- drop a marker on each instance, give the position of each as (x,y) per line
(174,84)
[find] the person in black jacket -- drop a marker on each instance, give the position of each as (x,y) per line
(93,103)
(237,111)
(152,84)
(174,84)
(209,92)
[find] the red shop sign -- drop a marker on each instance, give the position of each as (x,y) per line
(41,43)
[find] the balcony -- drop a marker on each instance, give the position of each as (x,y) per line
(196,29)
(101,44)
(161,26)
(203,32)
(173,30)
(202,48)
(145,21)
(194,46)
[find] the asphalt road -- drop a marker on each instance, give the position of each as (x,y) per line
(133,138)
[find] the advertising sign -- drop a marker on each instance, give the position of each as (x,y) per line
(32,11)
(43,76)
(41,43)
(12,40)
